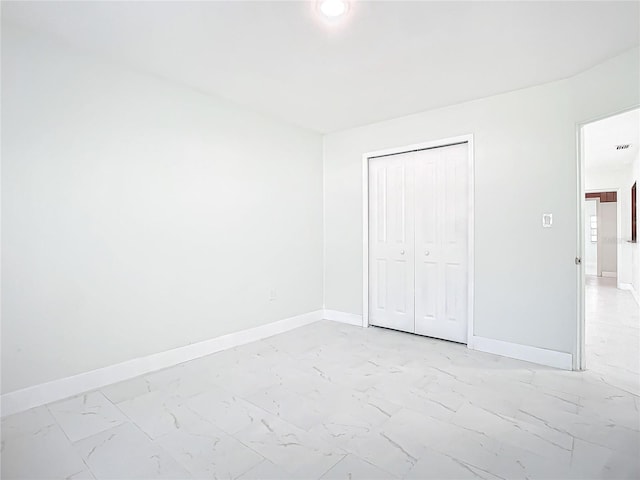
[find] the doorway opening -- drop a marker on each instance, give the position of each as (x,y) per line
(608,323)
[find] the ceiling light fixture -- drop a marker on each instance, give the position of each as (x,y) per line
(333,8)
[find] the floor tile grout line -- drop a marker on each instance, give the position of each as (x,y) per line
(69,440)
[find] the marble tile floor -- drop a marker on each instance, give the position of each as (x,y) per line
(334,401)
(612,333)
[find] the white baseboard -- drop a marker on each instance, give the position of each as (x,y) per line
(609,274)
(628,286)
(541,356)
(336,316)
(537,355)
(21,400)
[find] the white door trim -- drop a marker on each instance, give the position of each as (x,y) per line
(365,219)
(579,359)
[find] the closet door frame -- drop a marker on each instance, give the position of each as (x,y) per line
(468,139)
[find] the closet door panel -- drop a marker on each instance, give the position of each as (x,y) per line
(441,242)
(427,232)
(455,240)
(391,242)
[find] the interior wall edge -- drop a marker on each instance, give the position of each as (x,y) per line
(343,317)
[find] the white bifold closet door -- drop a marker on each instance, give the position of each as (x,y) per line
(418,242)
(391,237)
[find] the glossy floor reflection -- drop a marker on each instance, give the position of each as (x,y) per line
(612,333)
(335,401)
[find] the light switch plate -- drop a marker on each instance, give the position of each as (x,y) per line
(547,220)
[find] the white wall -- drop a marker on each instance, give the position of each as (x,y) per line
(525,154)
(605,179)
(139,216)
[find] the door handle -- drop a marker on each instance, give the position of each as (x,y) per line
(426,254)
(401,252)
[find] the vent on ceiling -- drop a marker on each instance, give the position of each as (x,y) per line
(623,147)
